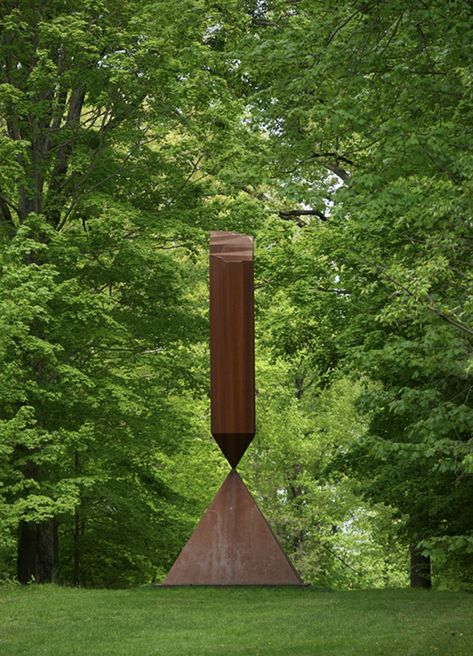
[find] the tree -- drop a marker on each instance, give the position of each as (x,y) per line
(109,136)
(334,538)
(366,108)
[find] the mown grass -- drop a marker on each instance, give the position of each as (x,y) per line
(48,620)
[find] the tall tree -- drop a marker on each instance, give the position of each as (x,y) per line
(366,108)
(112,120)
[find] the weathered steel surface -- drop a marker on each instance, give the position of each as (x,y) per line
(232,343)
(232,545)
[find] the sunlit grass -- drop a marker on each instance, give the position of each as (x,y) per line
(261,621)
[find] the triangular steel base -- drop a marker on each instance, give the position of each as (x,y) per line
(232,545)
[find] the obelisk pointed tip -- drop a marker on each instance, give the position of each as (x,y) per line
(233,446)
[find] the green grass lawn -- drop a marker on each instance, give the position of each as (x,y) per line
(260,621)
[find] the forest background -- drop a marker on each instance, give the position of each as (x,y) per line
(339,135)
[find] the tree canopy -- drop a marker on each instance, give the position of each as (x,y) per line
(335,133)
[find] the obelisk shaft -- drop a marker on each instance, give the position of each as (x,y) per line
(232,343)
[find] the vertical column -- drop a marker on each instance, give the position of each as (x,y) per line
(232,343)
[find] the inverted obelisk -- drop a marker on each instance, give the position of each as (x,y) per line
(233,544)
(232,360)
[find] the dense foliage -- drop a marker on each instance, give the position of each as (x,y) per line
(367,106)
(107,109)
(337,134)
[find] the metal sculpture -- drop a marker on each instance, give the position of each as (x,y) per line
(233,544)
(232,359)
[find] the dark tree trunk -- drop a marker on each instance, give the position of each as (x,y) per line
(37,552)
(420,571)
(77,554)
(78,528)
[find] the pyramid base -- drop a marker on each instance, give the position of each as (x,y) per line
(232,545)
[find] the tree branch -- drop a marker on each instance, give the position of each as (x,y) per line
(340,27)
(5,206)
(452,320)
(334,165)
(294,215)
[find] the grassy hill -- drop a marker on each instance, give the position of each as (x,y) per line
(49,620)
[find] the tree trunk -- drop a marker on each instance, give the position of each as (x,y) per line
(76,550)
(78,528)
(37,552)
(420,571)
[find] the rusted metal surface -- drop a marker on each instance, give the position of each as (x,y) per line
(232,545)
(232,343)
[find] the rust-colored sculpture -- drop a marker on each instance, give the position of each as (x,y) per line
(233,544)
(232,360)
